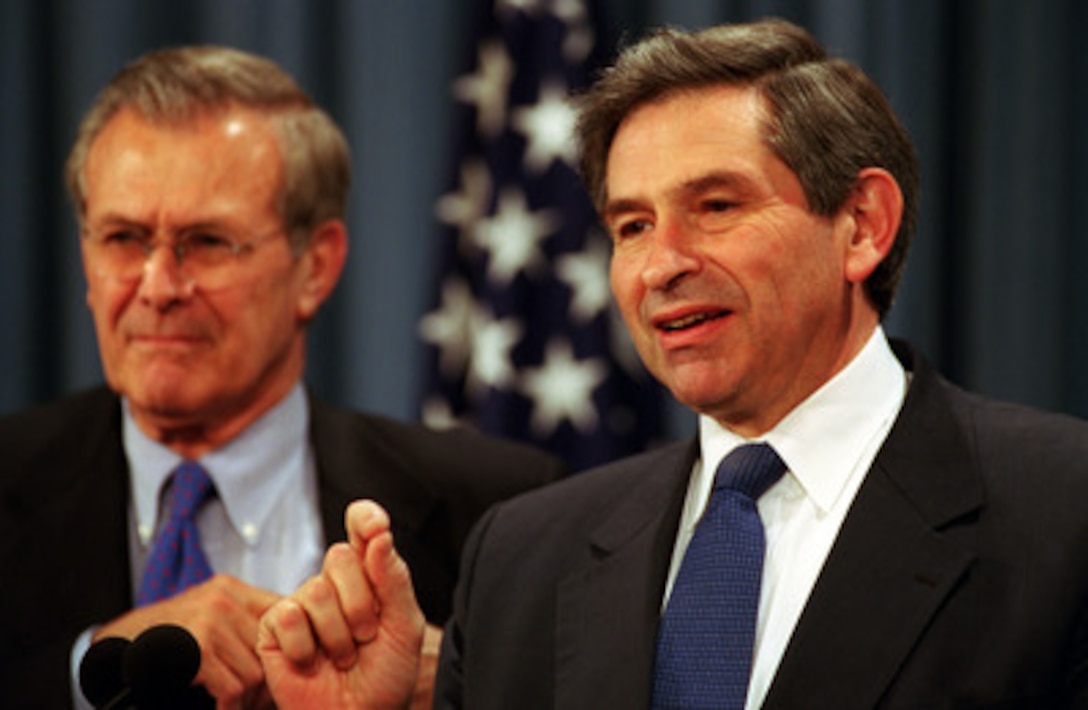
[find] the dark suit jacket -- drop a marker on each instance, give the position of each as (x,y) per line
(64,495)
(959,578)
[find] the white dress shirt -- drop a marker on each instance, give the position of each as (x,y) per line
(827,443)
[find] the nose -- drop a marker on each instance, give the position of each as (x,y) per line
(164,281)
(672,255)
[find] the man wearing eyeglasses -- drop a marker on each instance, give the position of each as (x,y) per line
(211,193)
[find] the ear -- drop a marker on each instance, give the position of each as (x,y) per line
(323,261)
(876,207)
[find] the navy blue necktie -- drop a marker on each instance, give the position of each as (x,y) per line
(177,559)
(706,636)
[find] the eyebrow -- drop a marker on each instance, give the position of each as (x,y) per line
(614,208)
(687,189)
(116,219)
(715,180)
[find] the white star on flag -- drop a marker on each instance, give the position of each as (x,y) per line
(507,8)
(513,236)
(491,364)
(580,38)
(548,125)
(562,389)
(488,88)
(467,206)
(447,326)
(586,273)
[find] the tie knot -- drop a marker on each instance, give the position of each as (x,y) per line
(749,469)
(191,485)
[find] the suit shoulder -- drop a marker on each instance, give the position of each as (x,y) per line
(1004,428)
(1027,457)
(438,459)
(52,429)
(1005,435)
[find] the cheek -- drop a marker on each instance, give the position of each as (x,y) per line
(625,284)
(107,302)
(262,315)
(796,268)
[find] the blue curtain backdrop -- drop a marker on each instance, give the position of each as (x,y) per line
(995,93)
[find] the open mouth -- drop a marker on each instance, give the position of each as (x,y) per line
(690,321)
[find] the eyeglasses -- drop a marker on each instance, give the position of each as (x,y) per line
(202,257)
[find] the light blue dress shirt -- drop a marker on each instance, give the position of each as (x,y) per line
(263,527)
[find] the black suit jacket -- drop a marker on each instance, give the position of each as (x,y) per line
(64,493)
(959,578)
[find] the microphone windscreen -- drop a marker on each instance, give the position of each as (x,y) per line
(100,676)
(160,665)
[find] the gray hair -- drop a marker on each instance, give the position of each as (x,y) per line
(177,85)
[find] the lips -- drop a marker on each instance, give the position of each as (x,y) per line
(172,338)
(690,320)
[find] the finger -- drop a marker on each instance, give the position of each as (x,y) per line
(392,584)
(364,520)
(322,606)
(285,629)
(343,567)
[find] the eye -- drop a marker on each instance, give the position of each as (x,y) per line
(718,205)
(206,241)
(207,248)
(626,229)
(124,240)
(715,214)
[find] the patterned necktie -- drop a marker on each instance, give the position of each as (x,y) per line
(177,560)
(706,636)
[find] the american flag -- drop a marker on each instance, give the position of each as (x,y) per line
(524,341)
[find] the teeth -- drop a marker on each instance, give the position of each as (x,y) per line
(686,321)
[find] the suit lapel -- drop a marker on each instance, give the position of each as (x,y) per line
(607,612)
(890,568)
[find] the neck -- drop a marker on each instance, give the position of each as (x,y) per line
(192,435)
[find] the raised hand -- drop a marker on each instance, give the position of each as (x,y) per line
(351,636)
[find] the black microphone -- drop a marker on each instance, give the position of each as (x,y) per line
(155,671)
(100,670)
(159,667)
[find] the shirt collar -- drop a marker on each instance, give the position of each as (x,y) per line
(250,472)
(822,439)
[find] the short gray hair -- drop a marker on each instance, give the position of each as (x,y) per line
(177,85)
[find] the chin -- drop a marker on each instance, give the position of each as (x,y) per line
(166,397)
(699,385)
